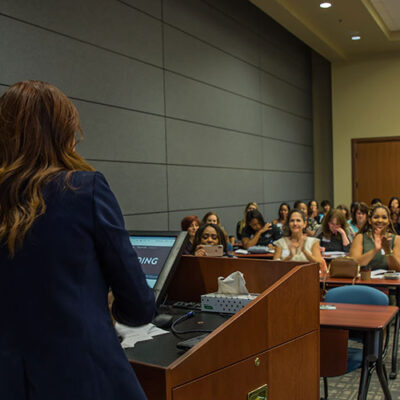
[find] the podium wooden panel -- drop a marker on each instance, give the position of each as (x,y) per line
(280,328)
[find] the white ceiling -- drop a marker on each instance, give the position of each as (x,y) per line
(329,31)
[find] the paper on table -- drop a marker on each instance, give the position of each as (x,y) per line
(378,273)
(132,335)
(241,251)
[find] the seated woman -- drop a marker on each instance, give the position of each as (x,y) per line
(190,224)
(358,217)
(311,225)
(333,236)
(242,223)
(394,216)
(208,234)
(313,214)
(326,206)
(394,204)
(377,246)
(283,212)
(296,245)
(345,210)
(212,218)
(257,232)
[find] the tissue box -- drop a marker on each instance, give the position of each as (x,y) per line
(225,303)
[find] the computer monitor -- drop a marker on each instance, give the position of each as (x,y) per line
(159,253)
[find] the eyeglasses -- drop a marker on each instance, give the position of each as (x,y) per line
(207,235)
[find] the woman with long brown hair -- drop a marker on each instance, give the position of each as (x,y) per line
(62,246)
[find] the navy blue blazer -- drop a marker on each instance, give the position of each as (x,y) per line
(57,341)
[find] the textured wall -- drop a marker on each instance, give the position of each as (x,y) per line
(187,105)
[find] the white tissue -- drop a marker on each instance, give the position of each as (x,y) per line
(132,335)
(232,284)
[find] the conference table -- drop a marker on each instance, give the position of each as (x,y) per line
(378,283)
(371,320)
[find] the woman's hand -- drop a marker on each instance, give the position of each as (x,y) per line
(341,231)
(386,244)
(266,227)
(200,252)
(378,239)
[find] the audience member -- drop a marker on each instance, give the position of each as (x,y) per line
(394,203)
(283,212)
(394,216)
(313,215)
(296,245)
(242,223)
(211,218)
(377,246)
(257,232)
(326,206)
(359,217)
(208,234)
(333,236)
(376,201)
(190,224)
(345,210)
(311,223)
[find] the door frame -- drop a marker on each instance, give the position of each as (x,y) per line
(354,143)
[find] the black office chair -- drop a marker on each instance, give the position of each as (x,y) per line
(334,345)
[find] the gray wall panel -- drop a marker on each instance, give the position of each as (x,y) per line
(276,156)
(139,188)
(193,144)
(116,134)
(243,12)
(195,59)
(105,23)
(212,66)
(204,22)
(152,7)
(80,70)
(148,222)
(193,101)
(279,186)
(285,126)
(278,93)
(192,187)
(282,65)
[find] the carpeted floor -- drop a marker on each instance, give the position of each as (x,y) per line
(345,387)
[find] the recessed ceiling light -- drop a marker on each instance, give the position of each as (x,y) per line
(356,37)
(326,4)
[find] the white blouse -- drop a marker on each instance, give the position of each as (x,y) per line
(299,256)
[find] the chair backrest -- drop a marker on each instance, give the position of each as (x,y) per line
(357,294)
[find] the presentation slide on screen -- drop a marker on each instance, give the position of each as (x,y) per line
(152,253)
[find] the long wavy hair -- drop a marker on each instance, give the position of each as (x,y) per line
(39,128)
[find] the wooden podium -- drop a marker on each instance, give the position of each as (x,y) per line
(273,341)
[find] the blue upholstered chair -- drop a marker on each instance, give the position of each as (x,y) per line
(351,294)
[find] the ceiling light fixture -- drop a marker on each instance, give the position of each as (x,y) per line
(326,4)
(356,37)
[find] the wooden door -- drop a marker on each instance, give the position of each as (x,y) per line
(376,168)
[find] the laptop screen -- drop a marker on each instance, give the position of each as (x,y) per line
(152,252)
(158,253)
